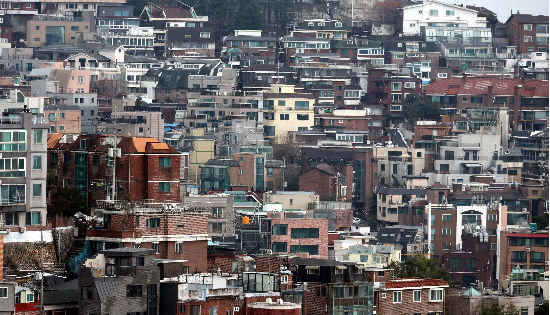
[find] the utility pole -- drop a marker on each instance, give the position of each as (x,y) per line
(337,177)
(41,272)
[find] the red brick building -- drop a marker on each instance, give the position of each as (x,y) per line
(411,296)
(528,32)
(172,231)
(523,250)
(300,236)
(146,169)
(330,183)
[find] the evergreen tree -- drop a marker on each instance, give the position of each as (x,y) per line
(419,266)
(417,108)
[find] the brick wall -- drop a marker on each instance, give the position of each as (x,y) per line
(322,241)
(271,263)
(223,305)
(170,224)
(315,303)
(407,306)
(2,257)
(221,262)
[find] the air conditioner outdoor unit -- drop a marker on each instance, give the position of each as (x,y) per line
(22,229)
(236,309)
(111,261)
(547,263)
(528,250)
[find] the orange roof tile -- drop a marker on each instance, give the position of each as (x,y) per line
(160,146)
(141,143)
(53,139)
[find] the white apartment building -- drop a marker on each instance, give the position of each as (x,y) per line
(436,13)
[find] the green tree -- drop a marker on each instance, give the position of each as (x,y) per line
(497,309)
(542,221)
(419,266)
(140,103)
(249,16)
(66,201)
(542,310)
(417,108)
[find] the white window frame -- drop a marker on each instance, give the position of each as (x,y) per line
(492,217)
(399,84)
(442,75)
(1,291)
(400,98)
(399,296)
(178,248)
(396,108)
(420,296)
(410,85)
(450,12)
(438,296)
(443,218)
(527,37)
(205,35)
(157,250)
(527,27)
(446,232)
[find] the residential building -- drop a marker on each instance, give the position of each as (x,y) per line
(199,294)
(523,250)
(392,201)
(400,296)
(300,236)
(533,148)
(6,30)
(172,231)
(375,256)
(321,28)
(528,32)
(249,48)
(190,42)
(436,13)
(527,282)
(63,118)
(473,302)
(286,110)
(298,200)
(360,51)
(8,304)
(50,29)
(114,275)
(139,40)
(115,17)
(135,124)
(390,90)
(294,44)
(181,16)
(24,155)
(201,149)
(101,69)
(259,77)
(330,183)
(222,221)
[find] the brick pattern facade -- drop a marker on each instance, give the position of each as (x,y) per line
(221,305)
(316,303)
(385,305)
(325,185)
(321,241)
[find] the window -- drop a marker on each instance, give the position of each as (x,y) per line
(396,98)
(280,229)
(217,213)
(37,136)
(527,39)
(194,310)
(493,246)
(445,232)
(12,218)
(470,264)
(87,293)
(165,162)
(164,186)
(433,12)
(153,222)
(397,296)
(182,308)
(155,247)
(436,295)
(279,247)
(37,163)
(62,128)
(527,27)
(304,233)
(133,291)
(409,85)
(492,217)
(213,310)
(476,99)
(36,190)
(284,116)
(396,86)
(446,217)
(140,261)
(513,172)
(417,296)
(241,172)
(80,79)
(311,249)
(74,28)
(449,12)
(394,169)
(178,248)
(205,35)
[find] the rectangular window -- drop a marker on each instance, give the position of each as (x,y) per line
(155,247)
(527,27)
(164,186)
(284,117)
(311,249)
(279,247)
(178,248)
(153,223)
(213,310)
(74,28)
(302,116)
(12,218)
(446,232)
(133,291)
(80,79)
(304,233)
(37,136)
(140,261)
(397,296)
(37,163)
(217,213)
(409,85)
(205,35)
(450,13)
(475,99)
(32,218)
(87,293)
(446,217)
(417,296)
(455,264)
(433,12)
(492,217)
(527,39)
(396,98)
(281,103)
(396,86)
(165,162)
(194,310)
(36,190)
(280,229)
(470,264)
(436,295)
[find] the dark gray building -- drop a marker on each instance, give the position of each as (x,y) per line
(120,281)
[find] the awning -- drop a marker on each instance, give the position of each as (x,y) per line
(342,267)
(312,267)
(234,50)
(473,165)
(246,258)
(361,267)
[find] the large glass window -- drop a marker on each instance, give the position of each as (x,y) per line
(455,264)
(55,34)
(470,264)
(280,229)
(311,249)
(279,247)
(36,190)
(304,233)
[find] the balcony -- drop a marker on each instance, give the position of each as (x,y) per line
(109,234)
